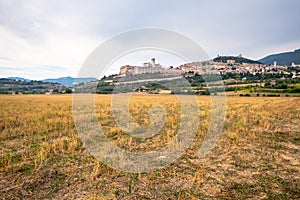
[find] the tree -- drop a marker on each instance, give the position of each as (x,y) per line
(68,91)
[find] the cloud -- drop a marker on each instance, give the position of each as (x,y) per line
(56,49)
(36,37)
(35,34)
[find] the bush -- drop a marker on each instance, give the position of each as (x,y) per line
(273,95)
(245,95)
(281,86)
(295,90)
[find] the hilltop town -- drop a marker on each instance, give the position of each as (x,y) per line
(229,65)
(241,76)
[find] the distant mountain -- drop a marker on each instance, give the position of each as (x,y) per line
(8,86)
(237,59)
(286,58)
(18,79)
(69,81)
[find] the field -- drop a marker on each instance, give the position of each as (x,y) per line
(256,157)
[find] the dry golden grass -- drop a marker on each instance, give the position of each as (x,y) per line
(257,156)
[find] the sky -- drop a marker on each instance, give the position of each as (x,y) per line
(46,39)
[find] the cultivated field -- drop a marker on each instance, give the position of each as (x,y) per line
(257,156)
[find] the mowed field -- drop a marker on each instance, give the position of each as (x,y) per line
(256,157)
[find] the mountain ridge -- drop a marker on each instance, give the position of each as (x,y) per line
(18,79)
(69,81)
(284,58)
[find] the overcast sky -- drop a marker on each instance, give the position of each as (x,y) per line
(43,39)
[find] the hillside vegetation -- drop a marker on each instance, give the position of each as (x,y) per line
(237,59)
(9,86)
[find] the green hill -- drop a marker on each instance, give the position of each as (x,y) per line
(237,59)
(8,86)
